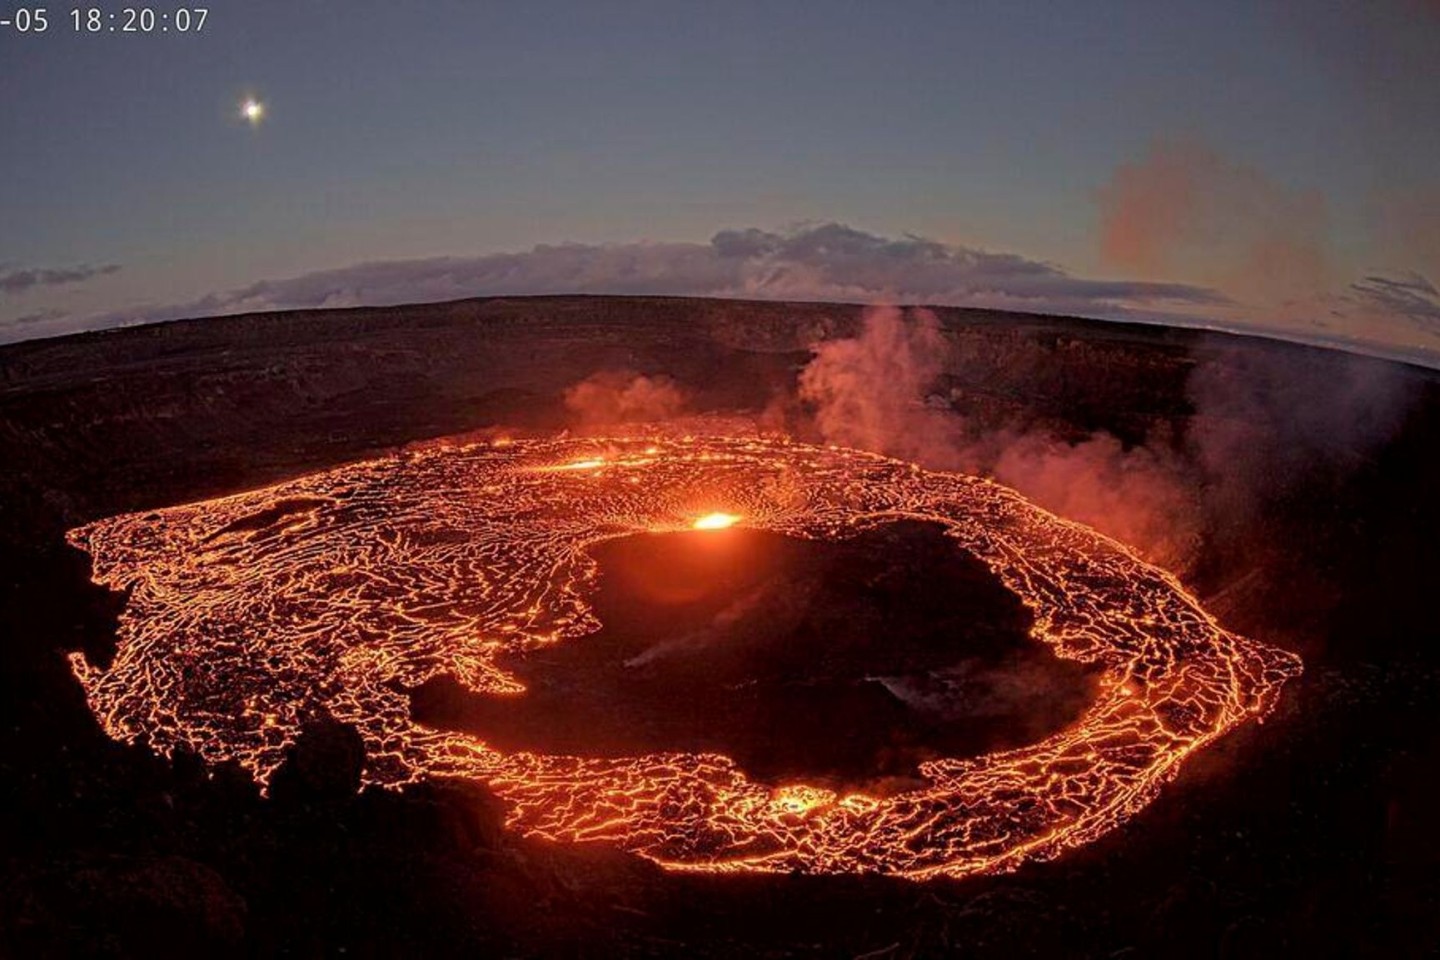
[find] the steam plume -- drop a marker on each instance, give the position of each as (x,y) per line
(1264,421)
(870,392)
(613,397)
(874,392)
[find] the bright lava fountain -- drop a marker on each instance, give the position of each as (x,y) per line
(334,593)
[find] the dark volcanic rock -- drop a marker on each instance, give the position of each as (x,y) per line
(323,766)
(165,906)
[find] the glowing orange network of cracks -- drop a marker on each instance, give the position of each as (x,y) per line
(334,592)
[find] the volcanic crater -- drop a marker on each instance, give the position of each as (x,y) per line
(846,663)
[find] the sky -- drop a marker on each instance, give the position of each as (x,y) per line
(1252,165)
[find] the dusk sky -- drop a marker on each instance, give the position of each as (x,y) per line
(1255,165)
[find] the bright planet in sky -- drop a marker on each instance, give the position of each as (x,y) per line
(252,110)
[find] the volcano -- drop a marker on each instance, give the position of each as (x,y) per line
(328,595)
(144,827)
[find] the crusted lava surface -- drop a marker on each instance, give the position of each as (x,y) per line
(841,662)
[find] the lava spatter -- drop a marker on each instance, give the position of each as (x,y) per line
(336,592)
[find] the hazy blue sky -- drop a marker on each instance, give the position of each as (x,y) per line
(1273,156)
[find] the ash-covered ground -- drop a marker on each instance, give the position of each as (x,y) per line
(1291,488)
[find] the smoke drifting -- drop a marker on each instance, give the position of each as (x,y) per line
(1265,421)
(1408,230)
(1140,495)
(874,392)
(613,397)
(1228,223)
(870,392)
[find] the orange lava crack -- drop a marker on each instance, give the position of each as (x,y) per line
(332,593)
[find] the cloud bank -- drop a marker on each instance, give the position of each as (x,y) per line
(1414,297)
(19,280)
(826,261)
(1234,231)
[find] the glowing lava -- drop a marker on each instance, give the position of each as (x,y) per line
(715,521)
(333,593)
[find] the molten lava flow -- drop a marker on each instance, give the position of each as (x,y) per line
(336,592)
(716,521)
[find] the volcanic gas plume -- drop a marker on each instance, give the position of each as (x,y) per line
(336,593)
